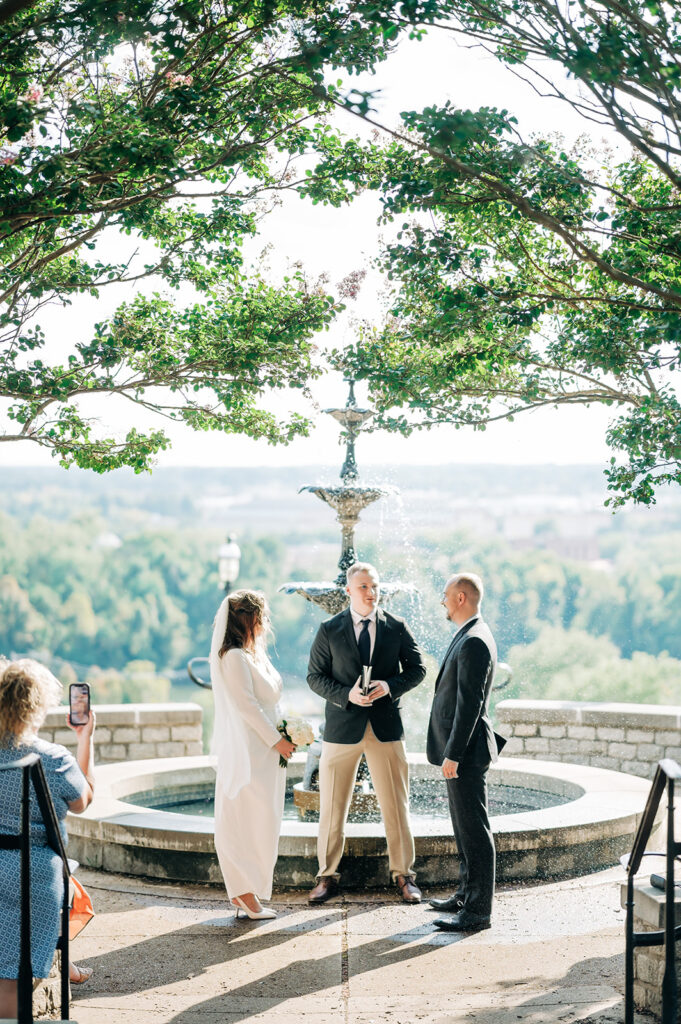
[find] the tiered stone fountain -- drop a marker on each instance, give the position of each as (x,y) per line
(347,499)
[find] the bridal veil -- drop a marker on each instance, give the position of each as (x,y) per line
(229,743)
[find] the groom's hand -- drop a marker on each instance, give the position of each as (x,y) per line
(450,769)
(378,690)
(357,697)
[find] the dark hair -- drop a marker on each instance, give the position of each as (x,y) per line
(247,611)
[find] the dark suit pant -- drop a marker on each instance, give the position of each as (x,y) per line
(474,839)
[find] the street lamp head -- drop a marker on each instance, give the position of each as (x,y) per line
(229,559)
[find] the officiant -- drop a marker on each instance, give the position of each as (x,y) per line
(363,717)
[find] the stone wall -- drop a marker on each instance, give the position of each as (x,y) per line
(623,737)
(132,732)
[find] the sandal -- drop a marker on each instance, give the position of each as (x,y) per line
(84,974)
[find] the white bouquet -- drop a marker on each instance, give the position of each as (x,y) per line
(295,730)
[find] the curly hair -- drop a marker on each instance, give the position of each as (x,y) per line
(27,692)
(247,610)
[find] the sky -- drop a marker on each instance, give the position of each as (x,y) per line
(337,242)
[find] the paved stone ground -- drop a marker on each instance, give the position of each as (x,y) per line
(173,954)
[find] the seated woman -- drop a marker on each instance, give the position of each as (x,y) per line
(27,691)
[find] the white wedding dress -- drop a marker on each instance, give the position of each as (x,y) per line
(250,785)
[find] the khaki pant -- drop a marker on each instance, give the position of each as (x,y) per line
(390,776)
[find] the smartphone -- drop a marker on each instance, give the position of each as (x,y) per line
(79,703)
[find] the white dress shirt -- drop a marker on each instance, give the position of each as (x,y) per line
(469,619)
(357,621)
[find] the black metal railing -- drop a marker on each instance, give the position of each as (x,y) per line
(668,772)
(192,669)
(32,771)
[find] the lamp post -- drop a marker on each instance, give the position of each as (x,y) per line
(229,560)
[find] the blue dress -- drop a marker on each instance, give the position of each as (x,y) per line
(66,783)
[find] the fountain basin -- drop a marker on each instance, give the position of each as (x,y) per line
(333,597)
(349,499)
(427,798)
(589,831)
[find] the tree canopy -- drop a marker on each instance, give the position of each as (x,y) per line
(143,141)
(528,273)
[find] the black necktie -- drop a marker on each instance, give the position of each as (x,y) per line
(364,643)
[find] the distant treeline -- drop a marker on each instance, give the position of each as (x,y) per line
(67,592)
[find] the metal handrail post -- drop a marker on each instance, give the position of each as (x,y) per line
(54,839)
(669,993)
(64,951)
(25,979)
(629,954)
(666,774)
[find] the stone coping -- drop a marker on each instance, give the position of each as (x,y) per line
(605,805)
(649,902)
(132,714)
(659,716)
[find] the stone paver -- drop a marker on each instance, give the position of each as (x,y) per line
(176,955)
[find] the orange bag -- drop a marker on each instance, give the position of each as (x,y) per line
(80,911)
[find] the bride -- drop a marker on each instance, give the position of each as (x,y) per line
(250,785)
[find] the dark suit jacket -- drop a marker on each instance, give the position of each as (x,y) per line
(335,665)
(459,727)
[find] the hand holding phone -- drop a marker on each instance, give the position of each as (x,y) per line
(79,704)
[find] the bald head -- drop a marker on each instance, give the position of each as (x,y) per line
(470,584)
(462,596)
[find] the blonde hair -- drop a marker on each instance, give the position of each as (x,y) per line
(27,692)
(470,583)
(361,567)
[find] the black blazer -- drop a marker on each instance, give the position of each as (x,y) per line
(335,665)
(459,727)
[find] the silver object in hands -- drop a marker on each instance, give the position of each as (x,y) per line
(366,679)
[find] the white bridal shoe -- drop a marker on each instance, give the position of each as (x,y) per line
(254,915)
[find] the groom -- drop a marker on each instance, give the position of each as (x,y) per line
(462,741)
(368,724)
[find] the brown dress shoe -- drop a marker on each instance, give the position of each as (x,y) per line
(408,889)
(326,887)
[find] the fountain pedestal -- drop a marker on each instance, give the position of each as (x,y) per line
(364,803)
(306,793)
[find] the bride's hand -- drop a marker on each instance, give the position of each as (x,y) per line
(285,748)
